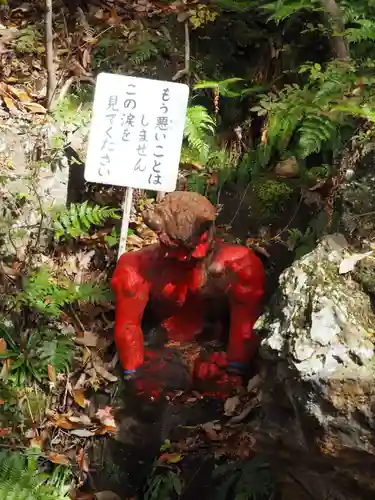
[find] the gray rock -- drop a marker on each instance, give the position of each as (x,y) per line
(318,395)
(28,187)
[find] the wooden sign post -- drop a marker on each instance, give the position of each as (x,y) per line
(136,136)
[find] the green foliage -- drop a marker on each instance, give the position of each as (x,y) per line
(281,10)
(163,484)
(273,194)
(311,115)
(30,353)
(302,243)
(48,294)
(29,40)
(79,218)
(20,479)
(74,109)
(143,51)
(199,123)
(247,480)
(225,87)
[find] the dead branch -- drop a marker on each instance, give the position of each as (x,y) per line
(333,17)
(51,74)
(186,70)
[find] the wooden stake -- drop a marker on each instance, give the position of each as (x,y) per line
(126,207)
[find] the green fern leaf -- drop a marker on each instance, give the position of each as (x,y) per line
(314,132)
(56,350)
(20,479)
(79,218)
(198,124)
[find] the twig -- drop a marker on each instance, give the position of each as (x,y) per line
(76,318)
(51,74)
(186,70)
(290,221)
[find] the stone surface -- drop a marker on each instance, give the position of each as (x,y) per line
(288,168)
(34,178)
(318,397)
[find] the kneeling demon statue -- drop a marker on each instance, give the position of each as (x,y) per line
(188,277)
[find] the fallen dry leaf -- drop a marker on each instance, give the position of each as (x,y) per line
(81,419)
(105,417)
(10,104)
(83,433)
(62,422)
(3,346)
(79,397)
(170,458)
(230,406)
(59,458)
(21,94)
(88,339)
(114,19)
(348,264)
(212,431)
(51,373)
(86,58)
(106,429)
(34,107)
(100,370)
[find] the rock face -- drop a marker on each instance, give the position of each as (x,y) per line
(318,396)
(27,185)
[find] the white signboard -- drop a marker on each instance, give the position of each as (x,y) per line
(136,132)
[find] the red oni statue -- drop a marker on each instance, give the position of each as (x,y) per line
(184,279)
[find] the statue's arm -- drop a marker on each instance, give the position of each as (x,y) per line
(246,292)
(132,293)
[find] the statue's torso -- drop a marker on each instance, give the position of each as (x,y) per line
(173,282)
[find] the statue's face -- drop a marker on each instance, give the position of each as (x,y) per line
(177,251)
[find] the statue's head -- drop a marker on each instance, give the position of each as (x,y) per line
(184,223)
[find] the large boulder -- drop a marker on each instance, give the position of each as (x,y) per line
(318,393)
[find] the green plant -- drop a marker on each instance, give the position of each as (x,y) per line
(28,355)
(48,294)
(79,218)
(74,109)
(273,194)
(304,242)
(163,484)
(29,40)
(245,480)
(143,51)
(20,479)
(198,125)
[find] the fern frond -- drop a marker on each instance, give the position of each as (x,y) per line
(56,350)
(94,293)
(77,219)
(47,294)
(283,9)
(143,52)
(198,124)
(20,479)
(314,132)
(222,86)
(365,31)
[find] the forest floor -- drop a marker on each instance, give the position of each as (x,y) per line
(86,419)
